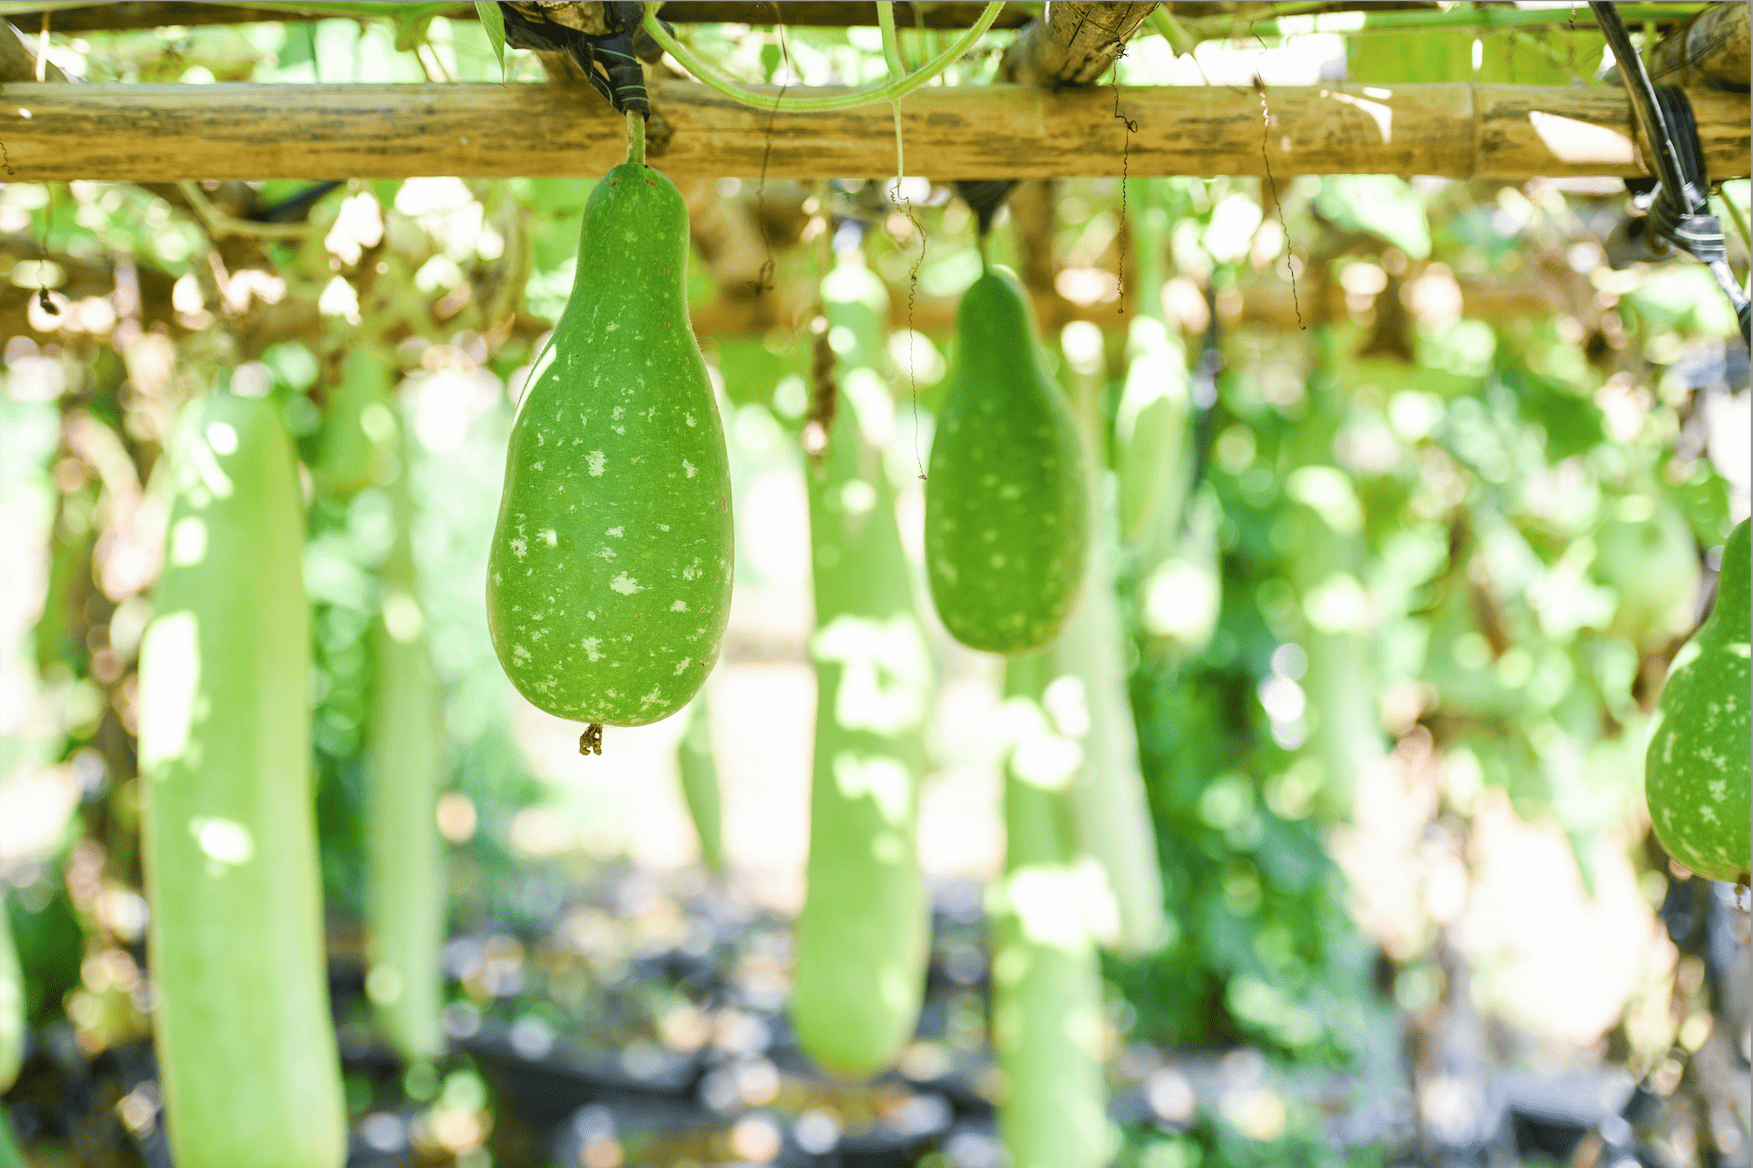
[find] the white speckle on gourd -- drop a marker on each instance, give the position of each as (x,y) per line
(689,467)
(592,648)
(679,606)
(688,418)
(617,532)
(551,537)
(605,552)
(518,547)
(681,665)
(596,459)
(624,584)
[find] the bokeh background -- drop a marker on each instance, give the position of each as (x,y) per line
(1458,463)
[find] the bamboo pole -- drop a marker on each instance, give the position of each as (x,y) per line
(1709,50)
(115,15)
(244,131)
(1074,44)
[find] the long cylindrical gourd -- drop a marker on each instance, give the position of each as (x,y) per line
(1046,986)
(11,1004)
(608,583)
(1181,596)
(699,776)
(1696,772)
(359,437)
(1006,505)
(405,883)
(862,936)
(1155,403)
(1110,813)
(1345,729)
(246,1046)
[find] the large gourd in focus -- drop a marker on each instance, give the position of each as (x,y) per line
(1696,773)
(1006,505)
(246,1046)
(608,583)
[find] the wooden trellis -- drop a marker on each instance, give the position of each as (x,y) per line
(156,133)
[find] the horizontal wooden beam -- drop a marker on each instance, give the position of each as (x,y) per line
(158,133)
(116,15)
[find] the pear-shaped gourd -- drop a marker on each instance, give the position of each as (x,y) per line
(608,583)
(1696,773)
(1006,504)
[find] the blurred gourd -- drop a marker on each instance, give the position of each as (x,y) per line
(1180,597)
(359,436)
(609,578)
(405,882)
(246,1046)
(863,933)
(1696,772)
(11,1004)
(1046,984)
(1647,553)
(1109,811)
(1006,505)
(699,776)
(1151,423)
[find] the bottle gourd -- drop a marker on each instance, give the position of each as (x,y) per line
(863,934)
(1006,511)
(246,1047)
(1046,981)
(608,582)
(1696,773)
(405,880)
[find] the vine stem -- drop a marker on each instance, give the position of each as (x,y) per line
(891,41)
(893,90)
(635,138)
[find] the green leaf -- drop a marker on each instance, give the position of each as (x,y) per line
(493,21)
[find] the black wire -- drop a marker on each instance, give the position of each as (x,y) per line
(1680,212)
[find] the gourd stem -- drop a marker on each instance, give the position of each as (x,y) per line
(635,138)
(891,91)
(891,41)
(984,242)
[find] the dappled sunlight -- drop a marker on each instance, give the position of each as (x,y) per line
(173,707)
(1378,112)
(1574,142)
(885,674)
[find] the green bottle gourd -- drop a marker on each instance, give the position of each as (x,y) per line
(609,578)
(405,880)
(1046,984)
(245,1043)
(11,1005)
(1152,422)
(699,775)
(359,428)
(863,934)
(1006,512)
(1109,810)
(1696,772)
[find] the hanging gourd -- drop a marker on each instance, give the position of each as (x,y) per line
(1696,773)
(609,578)
(863,933)
(246,1047)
